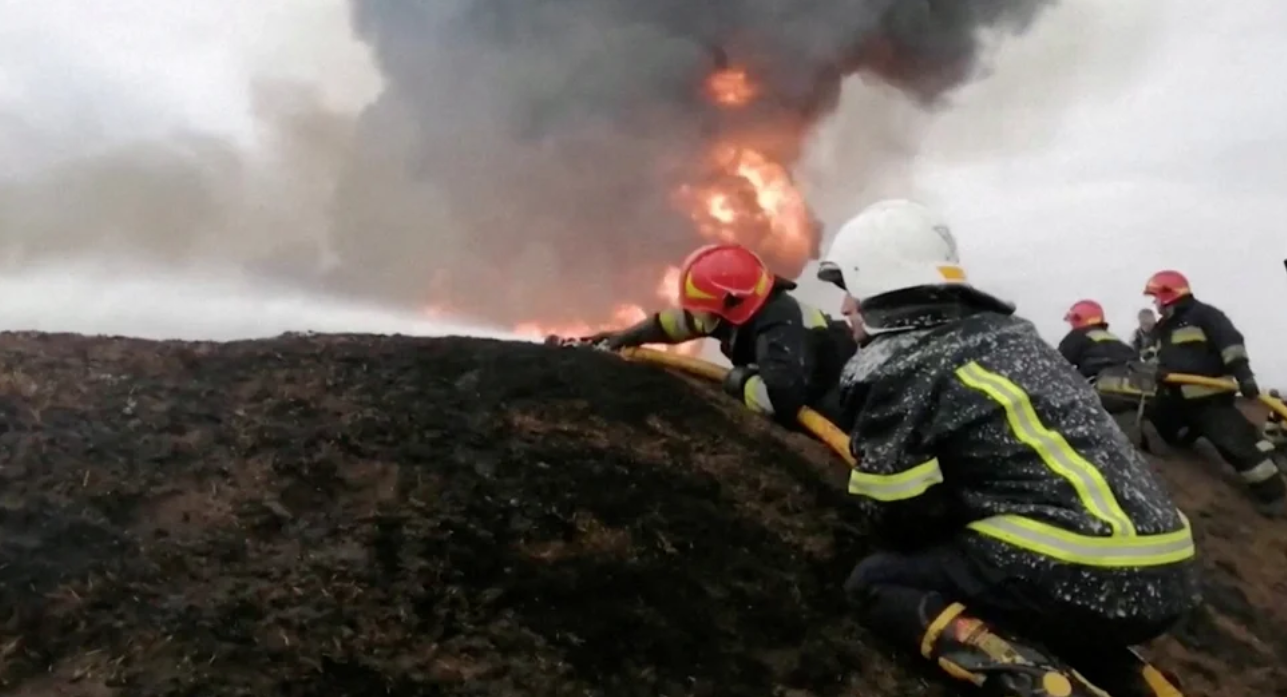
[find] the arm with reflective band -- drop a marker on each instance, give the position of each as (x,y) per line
(755,395)
(1050,446)
(899,486)
(679,325)
(1226,339)
(893,445)
(784,359)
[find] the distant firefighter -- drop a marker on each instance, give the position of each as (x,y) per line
(1196,338)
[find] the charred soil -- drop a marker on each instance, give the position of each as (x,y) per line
(358,515)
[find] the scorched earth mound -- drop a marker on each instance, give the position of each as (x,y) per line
(357,515)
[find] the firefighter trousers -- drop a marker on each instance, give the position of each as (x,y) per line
(898,593)
(1238,441)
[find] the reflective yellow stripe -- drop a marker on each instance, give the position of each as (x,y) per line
(703,322)
(755,395)
(1185,335)
(1117,385)
(1237,352)
(685,326)
(813,317)
(1050,446)
(1098,335)
(1105,552)
(1199,391)
(896,487)
(672,322)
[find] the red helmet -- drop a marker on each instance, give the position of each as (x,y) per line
(1166,287)
(727,280)
(1084,313)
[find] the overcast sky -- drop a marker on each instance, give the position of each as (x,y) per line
(1169,150)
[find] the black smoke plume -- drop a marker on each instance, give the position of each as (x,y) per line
(522,158)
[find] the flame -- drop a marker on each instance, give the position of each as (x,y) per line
(753,201)
(624,315)
(731,87)
(744,197)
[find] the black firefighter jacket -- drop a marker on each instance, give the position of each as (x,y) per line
(1094,348)
(797,349)
(973,431)
(1198,339)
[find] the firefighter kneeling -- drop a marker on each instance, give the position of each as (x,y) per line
(1103,359)
(1198,339)
(785,354)
(1029,546)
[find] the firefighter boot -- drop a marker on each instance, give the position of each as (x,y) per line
(968,649)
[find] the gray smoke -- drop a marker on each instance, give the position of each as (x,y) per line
(522,158)
(191,199)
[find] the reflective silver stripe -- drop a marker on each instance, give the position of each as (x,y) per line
(1199,391)
(904,485)
(1234,353)
(1054,450)
(1264,446)
(1050,541)
(1262,472)
(1185,335)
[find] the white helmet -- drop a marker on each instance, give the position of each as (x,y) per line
(892,245)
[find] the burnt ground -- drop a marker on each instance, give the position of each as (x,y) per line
(350,515)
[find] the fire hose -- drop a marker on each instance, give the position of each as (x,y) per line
(838,440)
(812,421)
(1276,405)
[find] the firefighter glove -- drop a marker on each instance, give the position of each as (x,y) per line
(735,381)
(1249,388)
(608,341)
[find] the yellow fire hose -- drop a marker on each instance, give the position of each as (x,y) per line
(838,440)
(812,421)
(1275,404)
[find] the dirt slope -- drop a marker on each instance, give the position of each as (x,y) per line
(390,516)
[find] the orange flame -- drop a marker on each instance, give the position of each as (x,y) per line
(622,316)
(755,203)
(747,198)
(731,87)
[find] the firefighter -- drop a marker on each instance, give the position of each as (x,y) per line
(786,354)
(1144,339)
(1100,357)
(1026,545)
(1198,339)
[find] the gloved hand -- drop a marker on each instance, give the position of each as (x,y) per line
(601,340)
(608,341)
(735,381)
(1249,388)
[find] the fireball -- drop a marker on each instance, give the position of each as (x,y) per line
(741,195)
